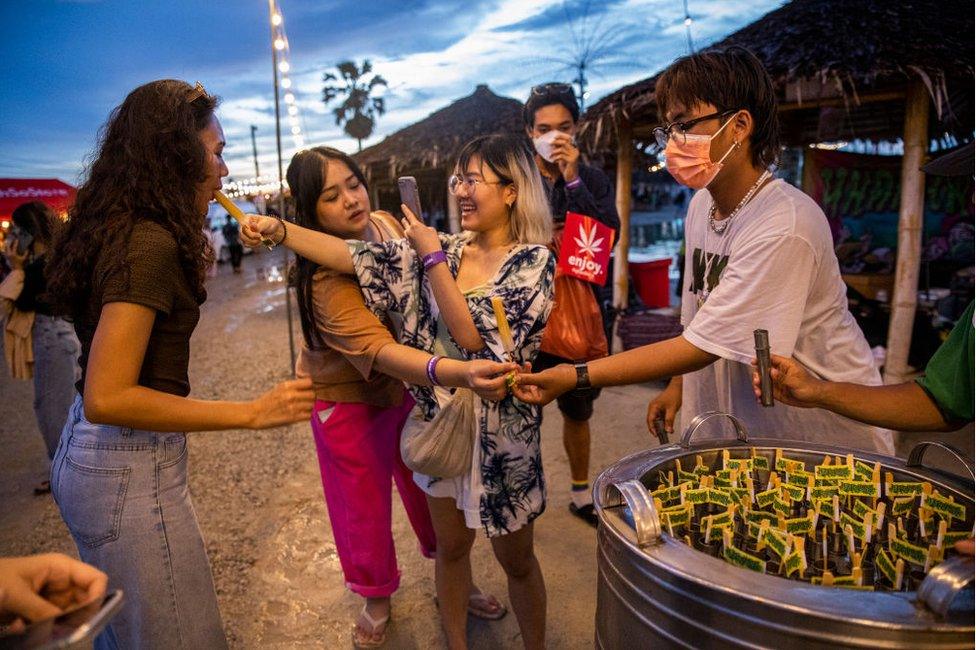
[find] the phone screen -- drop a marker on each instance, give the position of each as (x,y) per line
(410,195)
(81,623)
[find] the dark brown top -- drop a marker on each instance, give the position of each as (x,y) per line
(152,277)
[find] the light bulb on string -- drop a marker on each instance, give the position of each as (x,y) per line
(290,98)
(293,110)
(296,129)
(279,43)
(284,66)
(276,19)
(286,83)
(688,21)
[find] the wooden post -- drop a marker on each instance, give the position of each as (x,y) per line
(625,165)
(910,217)
(453,211)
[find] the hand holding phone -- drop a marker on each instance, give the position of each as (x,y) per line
(410,195)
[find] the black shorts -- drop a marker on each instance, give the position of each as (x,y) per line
(576,404)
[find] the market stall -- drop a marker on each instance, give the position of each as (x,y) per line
(861,70)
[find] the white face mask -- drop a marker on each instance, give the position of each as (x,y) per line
(543,144)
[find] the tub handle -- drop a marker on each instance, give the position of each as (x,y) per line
(647,525)
(944,582)
(915,455)
(740,428)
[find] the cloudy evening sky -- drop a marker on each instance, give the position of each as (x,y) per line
(67,63)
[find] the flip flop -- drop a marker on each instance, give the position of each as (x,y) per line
(587,513)
(373,624)
(485,607)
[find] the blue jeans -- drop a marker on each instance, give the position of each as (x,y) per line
(123,494)
(56,351)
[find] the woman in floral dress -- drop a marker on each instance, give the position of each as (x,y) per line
(437,291)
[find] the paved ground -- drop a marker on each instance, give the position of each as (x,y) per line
(259,500)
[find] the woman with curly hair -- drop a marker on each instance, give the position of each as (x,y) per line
(130,272)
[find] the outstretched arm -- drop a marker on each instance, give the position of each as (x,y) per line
(905,407)
(322,248)
(669,358)
(450,300)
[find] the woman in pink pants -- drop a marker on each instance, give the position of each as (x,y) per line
(356,367)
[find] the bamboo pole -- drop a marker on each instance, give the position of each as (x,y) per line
(910,217)
(625,164)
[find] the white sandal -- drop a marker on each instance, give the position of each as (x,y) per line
(373,624)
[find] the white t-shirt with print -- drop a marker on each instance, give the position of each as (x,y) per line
(773,268)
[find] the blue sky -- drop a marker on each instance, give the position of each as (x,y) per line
(67,63)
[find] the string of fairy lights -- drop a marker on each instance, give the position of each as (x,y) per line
(265,184)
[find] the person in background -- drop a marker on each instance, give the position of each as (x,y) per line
(759,255)
(232,237)
(51,340)
(551,114)
(36,587)
(361,405)
(131,271)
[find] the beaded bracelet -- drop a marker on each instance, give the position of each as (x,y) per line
(433,259)
(432,370)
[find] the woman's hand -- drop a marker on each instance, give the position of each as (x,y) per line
(259,229)
(290,401)
(423,238)
(792,384)
(662,409)
(489,379)
(62,580)
(15,258)
(543,387)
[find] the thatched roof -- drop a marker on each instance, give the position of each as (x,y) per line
(841,54)
(438,139)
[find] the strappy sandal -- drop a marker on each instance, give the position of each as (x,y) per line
(485,607)
(374,624)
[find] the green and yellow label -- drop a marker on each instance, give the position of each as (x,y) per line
(742,559)
(858,489)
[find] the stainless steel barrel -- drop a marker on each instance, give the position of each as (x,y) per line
(657,592)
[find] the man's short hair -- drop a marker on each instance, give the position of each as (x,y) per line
(730,79)
(548,94)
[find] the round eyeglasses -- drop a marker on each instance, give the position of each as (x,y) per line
(455,183)
(679,130)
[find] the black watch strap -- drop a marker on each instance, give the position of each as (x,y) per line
(582,376)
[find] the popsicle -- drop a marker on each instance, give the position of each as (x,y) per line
(230,206)
(505,333)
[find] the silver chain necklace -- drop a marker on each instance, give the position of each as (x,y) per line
(719,227)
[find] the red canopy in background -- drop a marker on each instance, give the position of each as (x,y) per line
(14,191)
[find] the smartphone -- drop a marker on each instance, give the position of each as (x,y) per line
(78,625)
(24,240)
(409,195)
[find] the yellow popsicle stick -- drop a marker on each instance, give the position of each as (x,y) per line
(504,332)
(230,206)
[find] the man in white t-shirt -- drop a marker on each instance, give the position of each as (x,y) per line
(759,255)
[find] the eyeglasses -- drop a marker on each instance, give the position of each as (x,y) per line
(455,182)
(678,130)
(554,88)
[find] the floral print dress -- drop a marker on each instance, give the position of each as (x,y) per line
(505,488)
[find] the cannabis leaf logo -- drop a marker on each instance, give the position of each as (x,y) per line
(588,242)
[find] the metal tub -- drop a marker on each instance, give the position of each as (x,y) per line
(656,592)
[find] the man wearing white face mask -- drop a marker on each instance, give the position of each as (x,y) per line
(759,255)
(550,114)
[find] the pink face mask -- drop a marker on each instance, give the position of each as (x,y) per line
(690,162)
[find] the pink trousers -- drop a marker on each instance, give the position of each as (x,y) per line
(359,452)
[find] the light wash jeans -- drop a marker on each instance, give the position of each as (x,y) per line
(56,351)
(123,494)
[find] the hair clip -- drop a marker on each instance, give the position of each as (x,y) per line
(197,92)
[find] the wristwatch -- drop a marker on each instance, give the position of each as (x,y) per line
(582,376)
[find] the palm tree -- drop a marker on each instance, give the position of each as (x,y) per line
(358,111)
